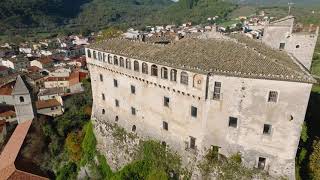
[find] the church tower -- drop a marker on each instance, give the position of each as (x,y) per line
(22,101)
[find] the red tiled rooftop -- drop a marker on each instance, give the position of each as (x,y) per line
(6,90)
(3,68)
(21,175)
(8,113)
(42,104)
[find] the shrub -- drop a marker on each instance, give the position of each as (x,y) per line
(314,164)
(88,144)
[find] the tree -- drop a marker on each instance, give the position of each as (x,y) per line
(314,163)
(73,146)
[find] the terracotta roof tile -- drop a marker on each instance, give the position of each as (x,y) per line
(7,114)
(42,104)
(232,56)
(21,175)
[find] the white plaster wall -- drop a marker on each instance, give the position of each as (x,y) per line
(7,99)
(246,99)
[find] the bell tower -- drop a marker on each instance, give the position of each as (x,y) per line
(22,101)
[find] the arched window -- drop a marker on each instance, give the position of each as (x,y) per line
(173,75)
(116,118)
(128,64)
(134,128)
(121,62)
(109,59)
(103,111)
(104,57)
(115,60)
(145,68)
(136,66)
(89,53)
(154,70)
(164,73)
(184,78)
(21,98)
(99,56)
(94,55)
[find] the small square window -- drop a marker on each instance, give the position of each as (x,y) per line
(267,129)
(166,101)
(194,111)
(117,103)
(273,96)
(262,163)
(133,111)
(233,122)
(165,125)
(282,45)
(133,89)
(52,108)
(192,142)
(103,97)
(115,83)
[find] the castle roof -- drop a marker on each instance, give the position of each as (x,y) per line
(20,87)
(234,56)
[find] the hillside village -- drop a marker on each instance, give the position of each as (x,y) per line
(36,79)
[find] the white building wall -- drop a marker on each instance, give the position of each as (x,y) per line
(243,98)
(7,99)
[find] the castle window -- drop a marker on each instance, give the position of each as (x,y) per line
(115,83)
(134,128)
(121,62)
(136,66)
(154,70)
(109,59)
(116,119)
(184,78)
(261,163)
(145,68)
(115,60)
(165,126)
(194,111)
(103,111)
(166,101)
(89,53)
(133,111)
(217,91)
(267,129)
(101,77)
(21,99)
(173,75)
(192,142)
(103,97)
(99,56)
(128,64)
(94,55)
(273,96)
(104,57)
(164,73)
(282,45)
(116,101)
(297,46)
(133,89)
(233,122)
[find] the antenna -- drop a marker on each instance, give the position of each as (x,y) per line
(289,10)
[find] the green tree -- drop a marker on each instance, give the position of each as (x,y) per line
(314,159)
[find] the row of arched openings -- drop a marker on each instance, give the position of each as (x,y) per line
(126,63)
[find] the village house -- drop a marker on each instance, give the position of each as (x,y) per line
(52,82)
(5,94)
(8,116)
(43,62)
(195,93)
(20,63)
(51,93)
(50,107)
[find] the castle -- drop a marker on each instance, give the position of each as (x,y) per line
(198,92)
